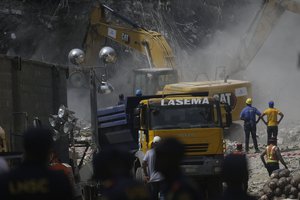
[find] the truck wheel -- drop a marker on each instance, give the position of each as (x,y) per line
(139,174)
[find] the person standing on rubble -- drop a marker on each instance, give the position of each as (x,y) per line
(248,115)
(272,122)
(273,155)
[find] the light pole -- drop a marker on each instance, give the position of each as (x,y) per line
(107,55)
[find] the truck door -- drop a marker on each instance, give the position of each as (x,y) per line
(143,132)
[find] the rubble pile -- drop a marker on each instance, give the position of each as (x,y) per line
(289,146)
(282,184)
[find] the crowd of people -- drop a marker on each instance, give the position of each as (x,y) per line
(251,116)
(42,176)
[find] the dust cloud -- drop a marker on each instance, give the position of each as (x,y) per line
(207,63)
(273,72)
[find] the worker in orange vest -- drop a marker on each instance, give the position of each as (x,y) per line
(273,155)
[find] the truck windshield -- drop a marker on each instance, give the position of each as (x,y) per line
(171,117)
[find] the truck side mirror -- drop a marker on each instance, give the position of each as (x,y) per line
(228,115)
(228,119)
(137,118)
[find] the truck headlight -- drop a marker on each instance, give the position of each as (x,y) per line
(217,170)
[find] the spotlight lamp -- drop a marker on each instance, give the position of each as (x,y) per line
(76,56)
(63,123)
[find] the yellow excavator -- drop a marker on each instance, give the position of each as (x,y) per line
(161,68)
(261,27)
(235,91)
(161,76)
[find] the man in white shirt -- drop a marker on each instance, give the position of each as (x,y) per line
(152,177)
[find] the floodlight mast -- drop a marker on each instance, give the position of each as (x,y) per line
(77,57)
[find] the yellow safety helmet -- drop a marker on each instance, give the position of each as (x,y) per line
(249,101)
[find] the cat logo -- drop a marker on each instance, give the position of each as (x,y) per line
(228,98)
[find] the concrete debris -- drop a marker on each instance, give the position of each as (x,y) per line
(258,175)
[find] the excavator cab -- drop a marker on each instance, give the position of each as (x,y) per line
(152,80)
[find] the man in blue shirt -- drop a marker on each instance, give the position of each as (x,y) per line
(248,114)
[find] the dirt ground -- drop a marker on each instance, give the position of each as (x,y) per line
(287,142)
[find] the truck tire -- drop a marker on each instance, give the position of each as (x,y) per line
(139,174)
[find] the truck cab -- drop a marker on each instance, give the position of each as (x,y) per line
(194,120)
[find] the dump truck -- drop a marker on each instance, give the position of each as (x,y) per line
(195,119)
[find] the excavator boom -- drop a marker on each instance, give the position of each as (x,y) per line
(150,43)
(261,28)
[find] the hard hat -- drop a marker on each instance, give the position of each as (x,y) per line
(156,139)
(138,92)
(271,104)
(249,101)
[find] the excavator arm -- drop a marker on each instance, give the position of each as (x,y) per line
(260,29)
(150,43)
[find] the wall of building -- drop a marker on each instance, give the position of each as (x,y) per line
(29,89)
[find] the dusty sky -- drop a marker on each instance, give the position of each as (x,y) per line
(274,71)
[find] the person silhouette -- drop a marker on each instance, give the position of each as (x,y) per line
(112,167)
(169,154)
(33,179)
(235,175)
